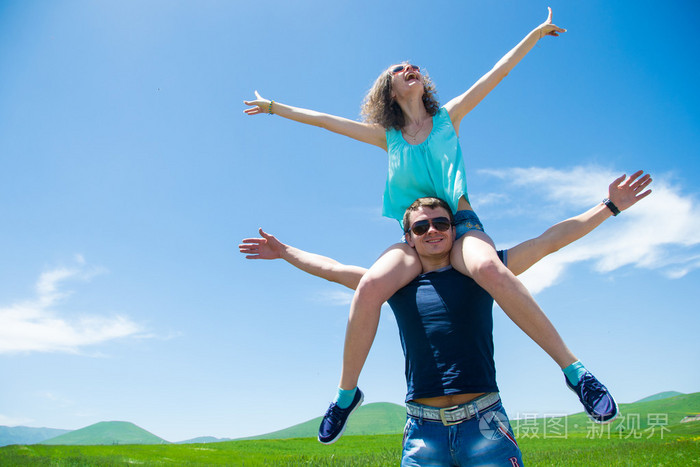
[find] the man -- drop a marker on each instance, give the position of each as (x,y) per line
(454,412)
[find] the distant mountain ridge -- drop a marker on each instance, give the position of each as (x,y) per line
(27,435)
(204,440)
(375,418)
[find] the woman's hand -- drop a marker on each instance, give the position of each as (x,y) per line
(260,105)
(549,29)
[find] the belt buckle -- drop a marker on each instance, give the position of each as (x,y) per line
(444,420)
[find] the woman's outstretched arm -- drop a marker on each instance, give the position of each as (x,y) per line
(464,103)
(367,133)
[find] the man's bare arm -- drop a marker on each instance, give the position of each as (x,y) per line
(268,247)
(623,192)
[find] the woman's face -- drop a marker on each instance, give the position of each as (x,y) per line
(405,79)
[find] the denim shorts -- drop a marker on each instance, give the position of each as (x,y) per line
(486,439)
(466,221)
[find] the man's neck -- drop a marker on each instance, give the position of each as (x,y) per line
(433,264)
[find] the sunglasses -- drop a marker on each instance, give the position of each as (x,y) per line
(400,68)
(441,224)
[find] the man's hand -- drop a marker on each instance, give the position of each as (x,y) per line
(267,247)
(624,193)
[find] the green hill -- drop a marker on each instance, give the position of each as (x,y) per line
(664,409)
(379,418)
(27,435)
(107,433)
(661,395)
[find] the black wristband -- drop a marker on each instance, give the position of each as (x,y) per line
(611,206)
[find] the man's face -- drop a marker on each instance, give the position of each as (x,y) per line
(433,242)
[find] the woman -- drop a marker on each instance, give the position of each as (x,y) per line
(402,116)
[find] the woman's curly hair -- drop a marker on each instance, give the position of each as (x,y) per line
(379,107)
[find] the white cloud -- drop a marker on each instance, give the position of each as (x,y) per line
(661,232)
(576,186)
(489,199)
(334,297)
(35,326)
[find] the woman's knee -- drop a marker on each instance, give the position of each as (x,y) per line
(369,286)
(396,268)
(487,269)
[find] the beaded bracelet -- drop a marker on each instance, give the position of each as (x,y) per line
(611,206)
(269,108)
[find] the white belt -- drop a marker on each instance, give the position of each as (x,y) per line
(455,414)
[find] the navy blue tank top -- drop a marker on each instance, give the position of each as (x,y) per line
(446,328)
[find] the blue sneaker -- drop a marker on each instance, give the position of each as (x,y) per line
(335,420)
(596,399)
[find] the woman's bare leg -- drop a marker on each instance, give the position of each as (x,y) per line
(395,268)
(474,254)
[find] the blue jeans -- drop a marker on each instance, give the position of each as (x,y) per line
(485,440)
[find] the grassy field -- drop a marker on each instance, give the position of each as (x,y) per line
(679,446)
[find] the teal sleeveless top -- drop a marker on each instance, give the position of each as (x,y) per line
(432,168)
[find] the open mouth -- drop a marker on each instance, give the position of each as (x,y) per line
(410,76)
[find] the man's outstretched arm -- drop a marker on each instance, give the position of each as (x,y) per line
(268,247)
(623,192)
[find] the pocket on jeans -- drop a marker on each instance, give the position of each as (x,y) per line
(506,431)
(406,430)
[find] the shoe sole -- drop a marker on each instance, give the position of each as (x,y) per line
(593,419)
(362,399)
(617,414)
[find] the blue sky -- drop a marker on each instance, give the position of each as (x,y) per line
(129,173)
